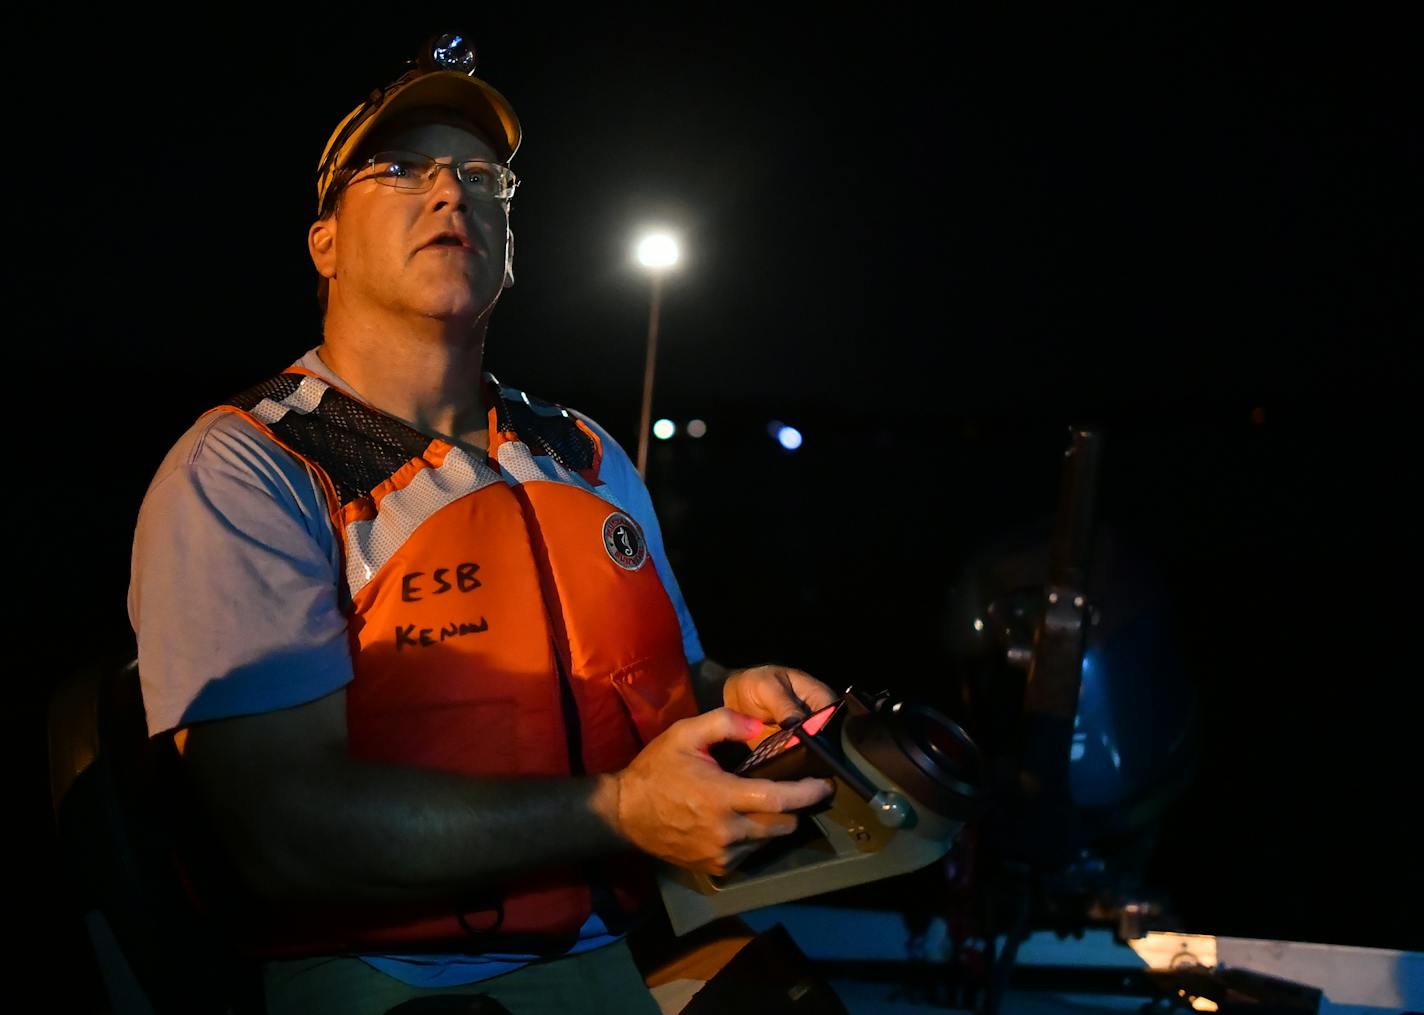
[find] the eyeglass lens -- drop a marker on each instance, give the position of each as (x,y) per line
(410,171)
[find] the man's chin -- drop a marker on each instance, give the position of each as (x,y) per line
(466,306)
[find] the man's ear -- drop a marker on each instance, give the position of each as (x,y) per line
(321,245)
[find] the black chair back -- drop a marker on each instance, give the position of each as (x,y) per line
(117,801)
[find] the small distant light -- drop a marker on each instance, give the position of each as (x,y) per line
(696,428)
(664,428)
(978,624)
(789,438)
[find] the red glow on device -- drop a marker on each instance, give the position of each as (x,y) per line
(811,726)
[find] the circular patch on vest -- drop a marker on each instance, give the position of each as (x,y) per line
(624,542)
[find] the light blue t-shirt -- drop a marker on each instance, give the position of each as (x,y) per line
(233,598)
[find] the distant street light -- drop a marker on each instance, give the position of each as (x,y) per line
(657,250)
(657,253)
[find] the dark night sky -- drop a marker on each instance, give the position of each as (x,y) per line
(929,240)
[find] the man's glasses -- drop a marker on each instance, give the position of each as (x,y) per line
(412,171)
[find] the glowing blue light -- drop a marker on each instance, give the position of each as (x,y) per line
(789,437)
(664,428)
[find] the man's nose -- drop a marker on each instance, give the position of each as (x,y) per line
(448,189)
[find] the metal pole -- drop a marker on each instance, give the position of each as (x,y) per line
(648,375)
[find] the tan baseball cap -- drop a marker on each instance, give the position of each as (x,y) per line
(444,79)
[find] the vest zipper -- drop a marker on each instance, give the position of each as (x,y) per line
(573,733)
(601,898)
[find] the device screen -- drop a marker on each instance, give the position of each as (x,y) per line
(786,739)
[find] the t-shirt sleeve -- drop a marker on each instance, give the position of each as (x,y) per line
(233,588)
(625,488)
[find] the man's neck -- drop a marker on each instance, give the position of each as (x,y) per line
(428,377)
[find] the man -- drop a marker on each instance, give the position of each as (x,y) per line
(414,633)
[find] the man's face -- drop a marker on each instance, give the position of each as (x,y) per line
(384,254)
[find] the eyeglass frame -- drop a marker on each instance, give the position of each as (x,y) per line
(454,165)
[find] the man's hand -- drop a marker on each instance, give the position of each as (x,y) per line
(677,804)
(775,694)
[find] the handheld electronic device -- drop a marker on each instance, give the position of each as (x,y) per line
(906,781)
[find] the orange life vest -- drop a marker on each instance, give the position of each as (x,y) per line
(504,620)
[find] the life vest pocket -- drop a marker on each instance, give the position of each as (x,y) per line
(654,702)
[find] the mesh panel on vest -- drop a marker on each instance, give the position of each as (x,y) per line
(358,447)
(555,434)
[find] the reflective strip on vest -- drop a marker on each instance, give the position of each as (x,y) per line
(370,542)
(304,400)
